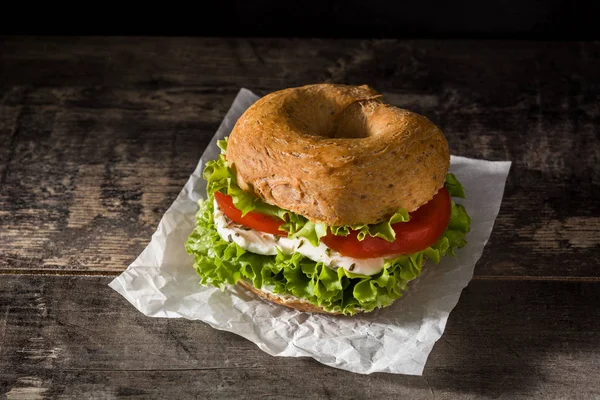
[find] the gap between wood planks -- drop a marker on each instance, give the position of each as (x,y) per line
(47,272)
(163,369)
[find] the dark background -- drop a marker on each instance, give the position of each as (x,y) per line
(471,19)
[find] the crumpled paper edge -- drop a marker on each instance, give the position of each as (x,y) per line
(134,282)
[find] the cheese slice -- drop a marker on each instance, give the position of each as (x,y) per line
(267,244)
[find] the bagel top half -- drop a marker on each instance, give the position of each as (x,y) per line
(337,154)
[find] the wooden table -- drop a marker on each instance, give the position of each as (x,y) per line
(100,134)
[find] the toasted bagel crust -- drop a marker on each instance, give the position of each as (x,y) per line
(288,301)
(337,154)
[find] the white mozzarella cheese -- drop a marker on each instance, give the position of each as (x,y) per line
(267,244)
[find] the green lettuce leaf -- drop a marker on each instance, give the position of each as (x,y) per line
(219,263)
(382,230)
(454,187)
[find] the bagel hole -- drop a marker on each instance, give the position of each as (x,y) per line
(309,114)
(322,115)
(351,123)
(358,121)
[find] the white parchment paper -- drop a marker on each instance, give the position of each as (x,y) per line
(162,282)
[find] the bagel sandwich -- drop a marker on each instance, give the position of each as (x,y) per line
(326,199)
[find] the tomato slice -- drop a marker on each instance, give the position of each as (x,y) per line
(252,220)
(426,225)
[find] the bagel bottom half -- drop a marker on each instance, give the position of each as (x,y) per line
(294,302)
(227,252)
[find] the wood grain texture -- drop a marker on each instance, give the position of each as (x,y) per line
(74,337)
(100,134)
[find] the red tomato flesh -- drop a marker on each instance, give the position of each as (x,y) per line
(426,225)
(252,220)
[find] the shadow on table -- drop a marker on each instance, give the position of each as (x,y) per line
(514,337)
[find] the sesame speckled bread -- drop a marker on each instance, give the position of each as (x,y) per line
(337,154)
(288,301)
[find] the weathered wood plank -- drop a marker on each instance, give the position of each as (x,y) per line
(102,133)
(74,337)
